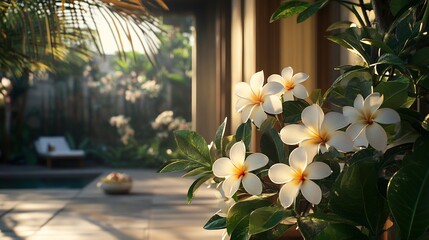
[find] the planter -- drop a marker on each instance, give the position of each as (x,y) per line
(115,187)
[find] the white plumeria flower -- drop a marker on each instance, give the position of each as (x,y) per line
(318,132)
(236,169)
(291,84)
(257,98)
(365,117)
(299,176)
(225,204)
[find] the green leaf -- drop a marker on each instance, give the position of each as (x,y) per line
(195,185)
(266,218)
(318,229)
(377,43)
(268,124)
(193,146)
(395,93)
(241,232)
(176,165)
(408,194)
(219,137)
(311,10)
(389,59)
(316,96)
(397,5)
(421,57)
(272,146)
(339,25)
(292,110)
(216,222)
(356,196)
(198,171)
(241,211)
(288,9)
(278,232)
(244,133)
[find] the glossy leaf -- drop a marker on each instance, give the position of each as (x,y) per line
(268,124)
(377,43)
(318,229)
(312,9)
(421,57)
(216,222)
(244,133)
(266,218)
(390,59)
(177,165)
(395,93)
(272,146)
(355,196)
(408,194)
(219,137)
(292,110)
(193,146)
(241,211)
(198,171)
(340,25)
(316,96)
(288,9)
(195,185)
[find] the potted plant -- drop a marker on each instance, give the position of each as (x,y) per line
(115,183)
(350,163)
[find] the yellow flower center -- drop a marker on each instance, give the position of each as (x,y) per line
(257,98)
(289,85)
(240,171)
(368,119)
(319,137)
(299,177)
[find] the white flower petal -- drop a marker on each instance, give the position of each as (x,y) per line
(288,193)
(241,104)
(352,114)
(276,78)
(281,173)
(231,185)
(243,90)
(272,88)
(258,115)
(299,91)
(299,77)
(272,104)
(237,154)
(376,136)
(293,134)
(257,81)
(298,159)
(359,102)
(255,161)
(341,141)
(360,140)
(247,112)
(386,116)
(223,167)
(317,170)
(252,184)
(311,148)
(334,121)
(355,129)
(311,191)
(287,73)
(373,102)
(312,117)
(288,96)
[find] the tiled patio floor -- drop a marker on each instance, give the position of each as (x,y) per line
(155,210)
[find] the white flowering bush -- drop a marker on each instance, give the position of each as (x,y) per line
(348,163)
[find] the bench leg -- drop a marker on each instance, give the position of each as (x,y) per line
(49,162)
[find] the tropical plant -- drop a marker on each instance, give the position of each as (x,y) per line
(350,163)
